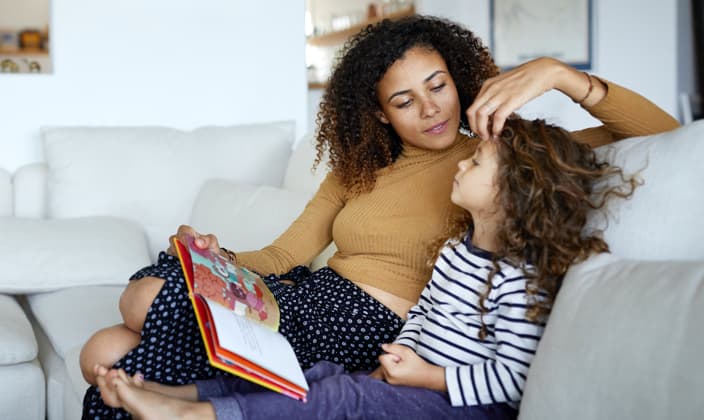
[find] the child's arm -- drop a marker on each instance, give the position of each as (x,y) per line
(401,365)
(500,379)
(416,316)
(406,340)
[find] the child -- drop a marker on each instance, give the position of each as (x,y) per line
(466,347)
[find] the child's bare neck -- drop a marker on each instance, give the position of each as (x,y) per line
(485,237)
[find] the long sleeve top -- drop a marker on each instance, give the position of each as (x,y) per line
(443,327)
(382,236)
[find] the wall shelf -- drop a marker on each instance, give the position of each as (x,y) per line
(339,37)
(16,52)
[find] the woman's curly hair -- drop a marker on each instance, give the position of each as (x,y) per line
(546,183)
(358,144)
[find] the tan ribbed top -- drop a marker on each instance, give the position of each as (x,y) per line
(382,236)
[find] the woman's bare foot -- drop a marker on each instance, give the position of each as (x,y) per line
(106,378)
(107,390)
(144,404)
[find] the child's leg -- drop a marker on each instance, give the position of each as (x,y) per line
(108,345)
(355,395)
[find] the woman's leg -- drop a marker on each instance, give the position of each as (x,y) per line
(136,300)
(109,345)
(105,348)
(170,350)
(327,317)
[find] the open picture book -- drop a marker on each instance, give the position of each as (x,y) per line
(238,318)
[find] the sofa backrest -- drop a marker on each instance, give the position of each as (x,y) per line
(663,219)
(248,217)
(151,175)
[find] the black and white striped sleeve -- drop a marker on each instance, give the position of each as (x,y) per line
(500,379)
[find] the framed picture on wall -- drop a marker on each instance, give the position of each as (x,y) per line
(525,29)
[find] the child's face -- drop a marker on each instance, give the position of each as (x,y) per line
(474,188)
(419,99)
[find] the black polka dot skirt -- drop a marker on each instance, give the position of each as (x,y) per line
(323,315)
(327,317)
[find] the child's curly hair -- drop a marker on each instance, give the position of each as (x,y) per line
(545,183)
(348,129)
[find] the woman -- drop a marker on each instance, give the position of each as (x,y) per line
(389,122)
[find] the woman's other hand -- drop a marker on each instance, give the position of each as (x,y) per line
(208,241)
(502,95)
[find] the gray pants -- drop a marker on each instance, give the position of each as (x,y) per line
(336,395)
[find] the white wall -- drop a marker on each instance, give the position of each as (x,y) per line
(635,46)
(181,64)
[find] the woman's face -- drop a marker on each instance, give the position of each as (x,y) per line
(419,99)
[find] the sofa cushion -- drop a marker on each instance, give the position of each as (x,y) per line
(30,190)
(69,317)
(68,252)
(23,392)
(300,175)
(5,193)
(624,341)
(152,174)
(663,219)
(17,342)
(246,217)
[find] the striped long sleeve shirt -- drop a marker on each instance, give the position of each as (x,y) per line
(443,327)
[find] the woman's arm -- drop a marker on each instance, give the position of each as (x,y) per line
(623,112)
(307,236)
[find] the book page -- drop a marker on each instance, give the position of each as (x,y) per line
(233,287)
(258,344)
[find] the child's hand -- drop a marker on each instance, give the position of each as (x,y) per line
(402,366)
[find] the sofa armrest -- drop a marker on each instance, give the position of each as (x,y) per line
(623,341)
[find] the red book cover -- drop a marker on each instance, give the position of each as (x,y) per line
(238,319)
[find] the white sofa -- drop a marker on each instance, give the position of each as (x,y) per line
(623,341)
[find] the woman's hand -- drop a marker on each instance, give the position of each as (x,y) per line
(502,95)
(377,373)
(400,365)
(202,241)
